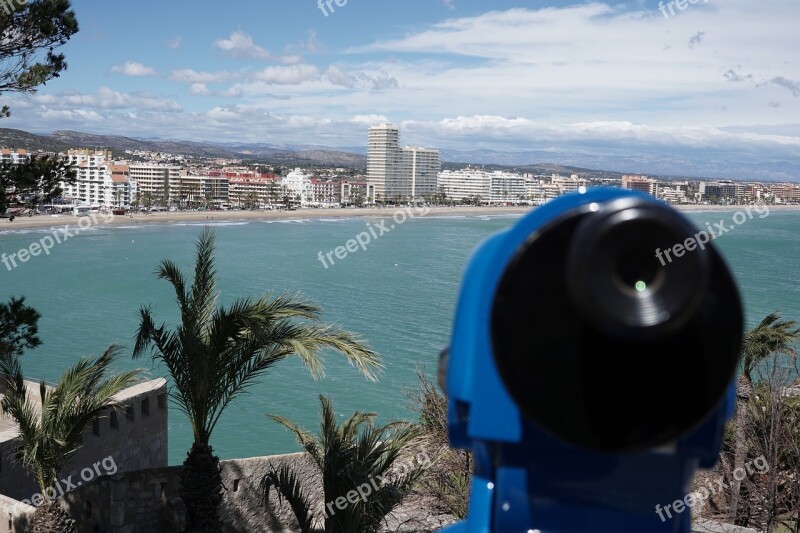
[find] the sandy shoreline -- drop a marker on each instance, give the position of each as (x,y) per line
(45,221)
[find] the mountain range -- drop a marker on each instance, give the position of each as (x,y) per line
(355,157)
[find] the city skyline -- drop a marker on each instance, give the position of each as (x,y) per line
(711,80)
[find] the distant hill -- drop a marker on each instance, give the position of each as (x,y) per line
(284,155)
(120,143)
(16,139)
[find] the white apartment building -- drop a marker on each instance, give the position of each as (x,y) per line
(540,191)
(399,174)
(568,184)
(489,187)
(298,187)
(421,166)
(325,193)
(8,156)
(355,191)
(158,184)
(465,184)
(94,185)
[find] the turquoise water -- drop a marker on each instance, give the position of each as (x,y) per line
(399,294)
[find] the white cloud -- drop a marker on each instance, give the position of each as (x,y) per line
(370,120)
(288,75)
(199,89)
(106,98)
(188,75)
(241,45)
(132,68)
(591,76)
(338,76)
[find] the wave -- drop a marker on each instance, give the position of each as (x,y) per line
(209,223)
(338,219)
(288,221)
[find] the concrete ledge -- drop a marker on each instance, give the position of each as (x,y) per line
(709,526)
(14,515)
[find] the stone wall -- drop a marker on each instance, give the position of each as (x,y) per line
(131,437)
(148,501)
(14,515)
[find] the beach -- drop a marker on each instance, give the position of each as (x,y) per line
(44,221)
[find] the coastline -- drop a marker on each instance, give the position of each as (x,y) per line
(166,218)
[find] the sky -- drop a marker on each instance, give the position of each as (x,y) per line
(708,77)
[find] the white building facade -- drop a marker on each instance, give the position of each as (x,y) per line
(93,185)
(399,174)
(297,185)
(477,185)
(157,184)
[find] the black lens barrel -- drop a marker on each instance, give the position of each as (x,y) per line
(605,345)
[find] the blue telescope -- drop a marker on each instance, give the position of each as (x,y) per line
(590,376)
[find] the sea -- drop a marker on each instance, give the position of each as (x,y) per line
(399,294)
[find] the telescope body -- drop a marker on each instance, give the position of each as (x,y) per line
(589,378)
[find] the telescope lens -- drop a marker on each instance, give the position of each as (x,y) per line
(607,346)
(634,273)
(616,279)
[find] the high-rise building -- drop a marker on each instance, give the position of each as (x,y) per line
(421,166)
(398,174)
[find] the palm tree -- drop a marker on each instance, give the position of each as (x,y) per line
(147,198)
(215,353)
(251,200)
(351,456)
(771,335)
(50,429)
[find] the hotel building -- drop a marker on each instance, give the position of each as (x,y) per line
(399,174)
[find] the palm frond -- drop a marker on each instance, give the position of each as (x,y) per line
(358,453)
(285,481)
(307,340)
(771,335)
(50,431)
(217,352)
(305,439)
(170,272)
(203,294)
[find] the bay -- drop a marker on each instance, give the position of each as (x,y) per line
(399,294)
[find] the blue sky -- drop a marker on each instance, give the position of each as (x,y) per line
(713,77)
